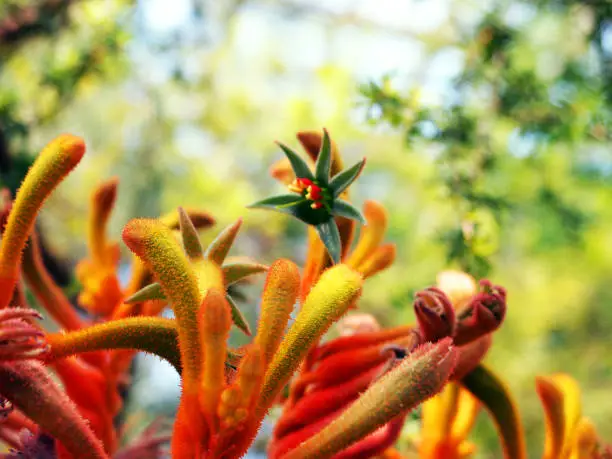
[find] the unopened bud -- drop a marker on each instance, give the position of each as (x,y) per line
(435,314)
(484,314)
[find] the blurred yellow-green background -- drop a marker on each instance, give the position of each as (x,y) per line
(486,127)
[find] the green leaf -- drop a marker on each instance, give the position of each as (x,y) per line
(234,272)
(237,317)
(342,180)
(323,164)
(190,237)
(330,236)
(279,202)
(299,166)
(495,397)
(344,209)
(297,207)
(149,292)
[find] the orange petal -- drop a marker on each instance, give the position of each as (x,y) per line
(371,235)
(585,441)
(560,396)
(465,415)
(282,171)
(381,259)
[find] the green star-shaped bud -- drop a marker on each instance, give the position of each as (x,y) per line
(315,197)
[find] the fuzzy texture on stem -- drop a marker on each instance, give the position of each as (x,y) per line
(29,387)
(52,165)
(154,335)
(155,244)
(419,376)
(279,296)
(337,289)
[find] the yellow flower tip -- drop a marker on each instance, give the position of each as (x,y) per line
(215,321)
(336,290)
(154,243)
(55,161)
(138,233)
(560,397)
(371,235)
(586,440)
(214,315)
(70,146)
(458,286)
(375,213)
(250,376)
(104,196)
(279,296)
(381,259)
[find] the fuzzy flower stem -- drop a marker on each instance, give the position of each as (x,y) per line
(155,244)
(34,392)
(44,288)
(102,202)
(279,296)
(55,161)
(154,335)
(420,376)
(330,298)
(215,321)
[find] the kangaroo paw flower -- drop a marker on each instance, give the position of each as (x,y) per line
(435,314)
(316,199)
(19,339)
(484,313)
(416,378)
(53,164)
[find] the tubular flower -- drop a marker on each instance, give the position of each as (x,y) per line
(447,419)
(569,435)
(220,411)
(317,194)
(380,409)
(369,256)
(456,308)
(101,292)
(333,381)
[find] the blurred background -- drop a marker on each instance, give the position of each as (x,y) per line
(486,125)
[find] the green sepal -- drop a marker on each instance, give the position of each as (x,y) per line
(234,272)
(299,166)
(281,203)
(342,180)
(330,236)
(297,207)
(495,397)
(344,209)
(149,292)
(219,248)
(190,237)
(237,317)
(323,164)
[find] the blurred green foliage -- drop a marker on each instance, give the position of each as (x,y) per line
(499,164)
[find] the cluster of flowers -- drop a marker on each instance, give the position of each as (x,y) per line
(60,392)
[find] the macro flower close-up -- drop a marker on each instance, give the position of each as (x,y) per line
(305,230)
